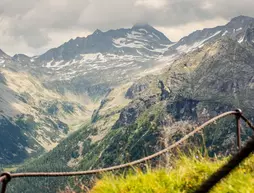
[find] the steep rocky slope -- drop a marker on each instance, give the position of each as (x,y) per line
(34,119)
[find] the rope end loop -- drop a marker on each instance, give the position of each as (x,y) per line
(7,177)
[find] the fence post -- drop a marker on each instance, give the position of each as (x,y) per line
(238,127)
(4,186)
(5,181)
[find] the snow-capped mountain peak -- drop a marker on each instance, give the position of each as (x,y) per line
(151,32)
(113,41)
(113,50)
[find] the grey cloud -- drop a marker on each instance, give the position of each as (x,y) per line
(12,8)
(32,21)
(229,9)
(34,38)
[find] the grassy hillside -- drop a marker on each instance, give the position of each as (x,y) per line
(185,176)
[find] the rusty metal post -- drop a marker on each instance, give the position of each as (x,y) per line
(6,178)
(4,186)
(238,127)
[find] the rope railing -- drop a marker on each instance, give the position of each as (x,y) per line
(6,177)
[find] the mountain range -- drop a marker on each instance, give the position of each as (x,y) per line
(125,90)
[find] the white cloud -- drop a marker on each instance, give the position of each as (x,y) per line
(176,33)
(207,5)
(152,4)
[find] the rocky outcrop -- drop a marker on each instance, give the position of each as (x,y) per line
(135,89)
(130,113)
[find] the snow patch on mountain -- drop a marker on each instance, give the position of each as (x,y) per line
(48,65)
(29,150)
(239,29)
(123,42)
(241,40)
(198,44)
(143,30)
(225,33)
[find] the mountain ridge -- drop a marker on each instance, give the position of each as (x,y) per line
(111,34)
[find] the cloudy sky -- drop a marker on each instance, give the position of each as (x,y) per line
(33,26)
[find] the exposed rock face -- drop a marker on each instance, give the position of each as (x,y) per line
(130,114)
(136,88)
(2,78)
(183,109)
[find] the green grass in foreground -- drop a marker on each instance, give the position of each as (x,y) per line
(185,177)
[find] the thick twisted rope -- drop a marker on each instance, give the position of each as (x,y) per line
(213,180)
(96,171)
